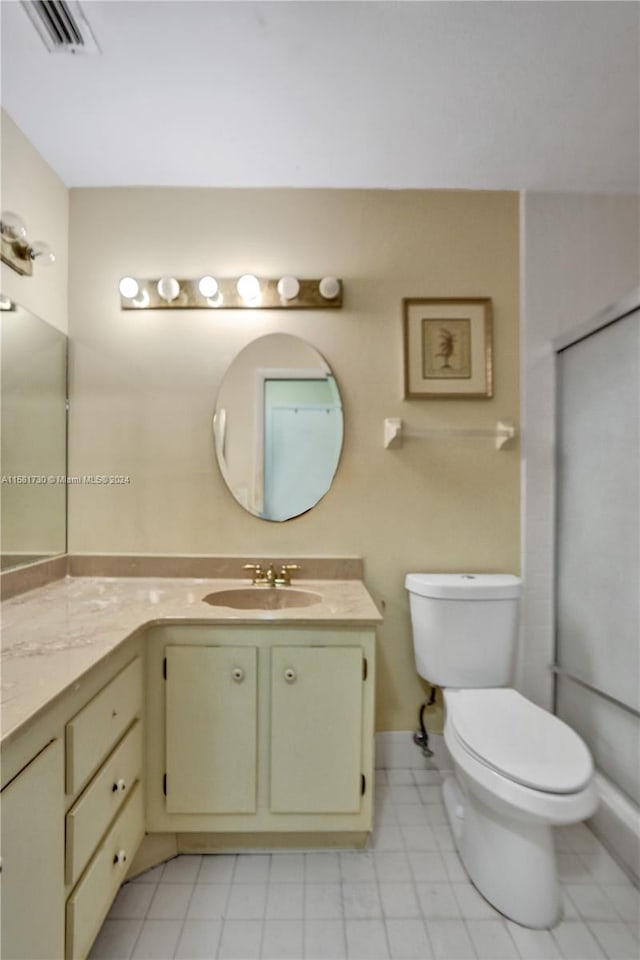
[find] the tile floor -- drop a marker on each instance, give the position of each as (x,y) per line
(404,897)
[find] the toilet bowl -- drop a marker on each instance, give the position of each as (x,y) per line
(519,770)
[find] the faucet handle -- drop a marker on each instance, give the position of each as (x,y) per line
(257,570)
(285,571)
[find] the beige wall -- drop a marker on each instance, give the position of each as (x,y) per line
(30,188)
(143,385)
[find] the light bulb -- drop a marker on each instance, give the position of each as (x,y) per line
(42,252)
(208,287)
(168,288)
(129,287)
(288,288)
(248,287)
(329,288)
(142,301)
(12,226)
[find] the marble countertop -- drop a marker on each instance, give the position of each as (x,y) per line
(53,635)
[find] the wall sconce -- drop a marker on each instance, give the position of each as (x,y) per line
(17,252)
(230,293)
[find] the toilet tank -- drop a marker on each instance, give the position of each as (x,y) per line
(464,627)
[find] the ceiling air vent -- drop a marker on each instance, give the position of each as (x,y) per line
(61,25)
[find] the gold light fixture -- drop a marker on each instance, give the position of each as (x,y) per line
(230,293)
(17,252)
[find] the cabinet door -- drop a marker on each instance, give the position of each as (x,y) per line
(316,729)
(32,896)
(211,729)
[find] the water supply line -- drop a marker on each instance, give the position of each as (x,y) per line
(421,736)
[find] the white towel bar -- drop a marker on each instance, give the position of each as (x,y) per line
(395,431)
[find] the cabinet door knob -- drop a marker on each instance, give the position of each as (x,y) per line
(238,674)
(290,675)
(119,786)
(120,857)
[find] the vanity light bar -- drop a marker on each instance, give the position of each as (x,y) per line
(230,293)
(16,250)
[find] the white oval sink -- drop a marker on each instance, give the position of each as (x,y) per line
(260,598)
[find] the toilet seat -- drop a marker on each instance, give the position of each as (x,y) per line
(519,740)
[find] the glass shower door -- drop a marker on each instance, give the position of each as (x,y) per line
(598,548)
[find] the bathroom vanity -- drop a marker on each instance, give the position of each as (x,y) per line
(260,729)
(140,722)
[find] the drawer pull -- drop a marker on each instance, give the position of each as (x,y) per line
(290,675)
(120,857)
(119,786)
(238,674)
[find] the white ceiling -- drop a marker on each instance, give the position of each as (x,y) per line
(481,95)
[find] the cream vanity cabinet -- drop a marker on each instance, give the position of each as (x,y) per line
(73,814)
(211,729)
(316,762)
(104,823)
(32,818)
(264,729)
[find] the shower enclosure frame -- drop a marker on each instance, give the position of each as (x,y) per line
(617,820)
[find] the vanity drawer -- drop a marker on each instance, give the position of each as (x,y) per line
(89,903)
(93,732)
(90,816)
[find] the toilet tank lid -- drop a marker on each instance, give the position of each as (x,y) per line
(464,586)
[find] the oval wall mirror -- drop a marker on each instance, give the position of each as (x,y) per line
(278,427)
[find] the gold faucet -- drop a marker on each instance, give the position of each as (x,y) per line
(269,576)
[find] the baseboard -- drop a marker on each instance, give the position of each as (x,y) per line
(616,823)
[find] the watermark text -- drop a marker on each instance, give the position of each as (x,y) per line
(52,479)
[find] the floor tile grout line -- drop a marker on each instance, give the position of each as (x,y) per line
(184,919)
(144,920)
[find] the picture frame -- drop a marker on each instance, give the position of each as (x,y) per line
(447,347)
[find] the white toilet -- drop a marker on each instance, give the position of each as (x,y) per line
(519,770)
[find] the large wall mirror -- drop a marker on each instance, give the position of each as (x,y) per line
(278,427)
(33,439)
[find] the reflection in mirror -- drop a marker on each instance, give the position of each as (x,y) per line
(278,427)
(33,391)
